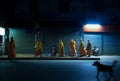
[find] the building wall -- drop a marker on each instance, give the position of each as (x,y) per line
(24,40)
(52,39)
(95,39)
(108,43)
(111,43)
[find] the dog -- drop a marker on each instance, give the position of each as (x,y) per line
(105,68)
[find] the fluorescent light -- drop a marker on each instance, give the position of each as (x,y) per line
(2,31)
(92,27)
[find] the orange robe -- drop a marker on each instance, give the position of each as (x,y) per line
(12,53)
(81,48)
(88,49)
(73,47)
(61,48)
(38,48)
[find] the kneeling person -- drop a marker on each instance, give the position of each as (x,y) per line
(95,51)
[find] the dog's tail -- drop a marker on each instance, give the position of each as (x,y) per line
(114,63)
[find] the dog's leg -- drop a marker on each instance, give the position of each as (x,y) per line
(97,74)
(112,76)
(107,76)
(97,79)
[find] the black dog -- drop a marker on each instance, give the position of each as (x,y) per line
(105,68)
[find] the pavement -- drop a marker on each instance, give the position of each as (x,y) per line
(47,57)
(57,70)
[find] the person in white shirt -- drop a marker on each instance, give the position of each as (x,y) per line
(95,51)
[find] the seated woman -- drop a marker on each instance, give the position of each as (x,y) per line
(95,51)
(54,51)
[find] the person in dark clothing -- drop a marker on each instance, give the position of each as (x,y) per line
(54,51)
(88,49)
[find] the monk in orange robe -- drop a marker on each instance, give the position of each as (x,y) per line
(73,47)
(12,53)
(81,48)
(61,48)
(88,49)
(38,49)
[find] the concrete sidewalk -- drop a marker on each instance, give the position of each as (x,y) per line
(46,57)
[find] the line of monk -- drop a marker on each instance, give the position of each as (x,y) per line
(82,50)
(10,48)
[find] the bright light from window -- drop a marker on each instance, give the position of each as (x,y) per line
(2,31)
(92,27)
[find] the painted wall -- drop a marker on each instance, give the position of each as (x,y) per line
(52,38)
(111,43)
(95,39)
(24,40)
(108,43)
